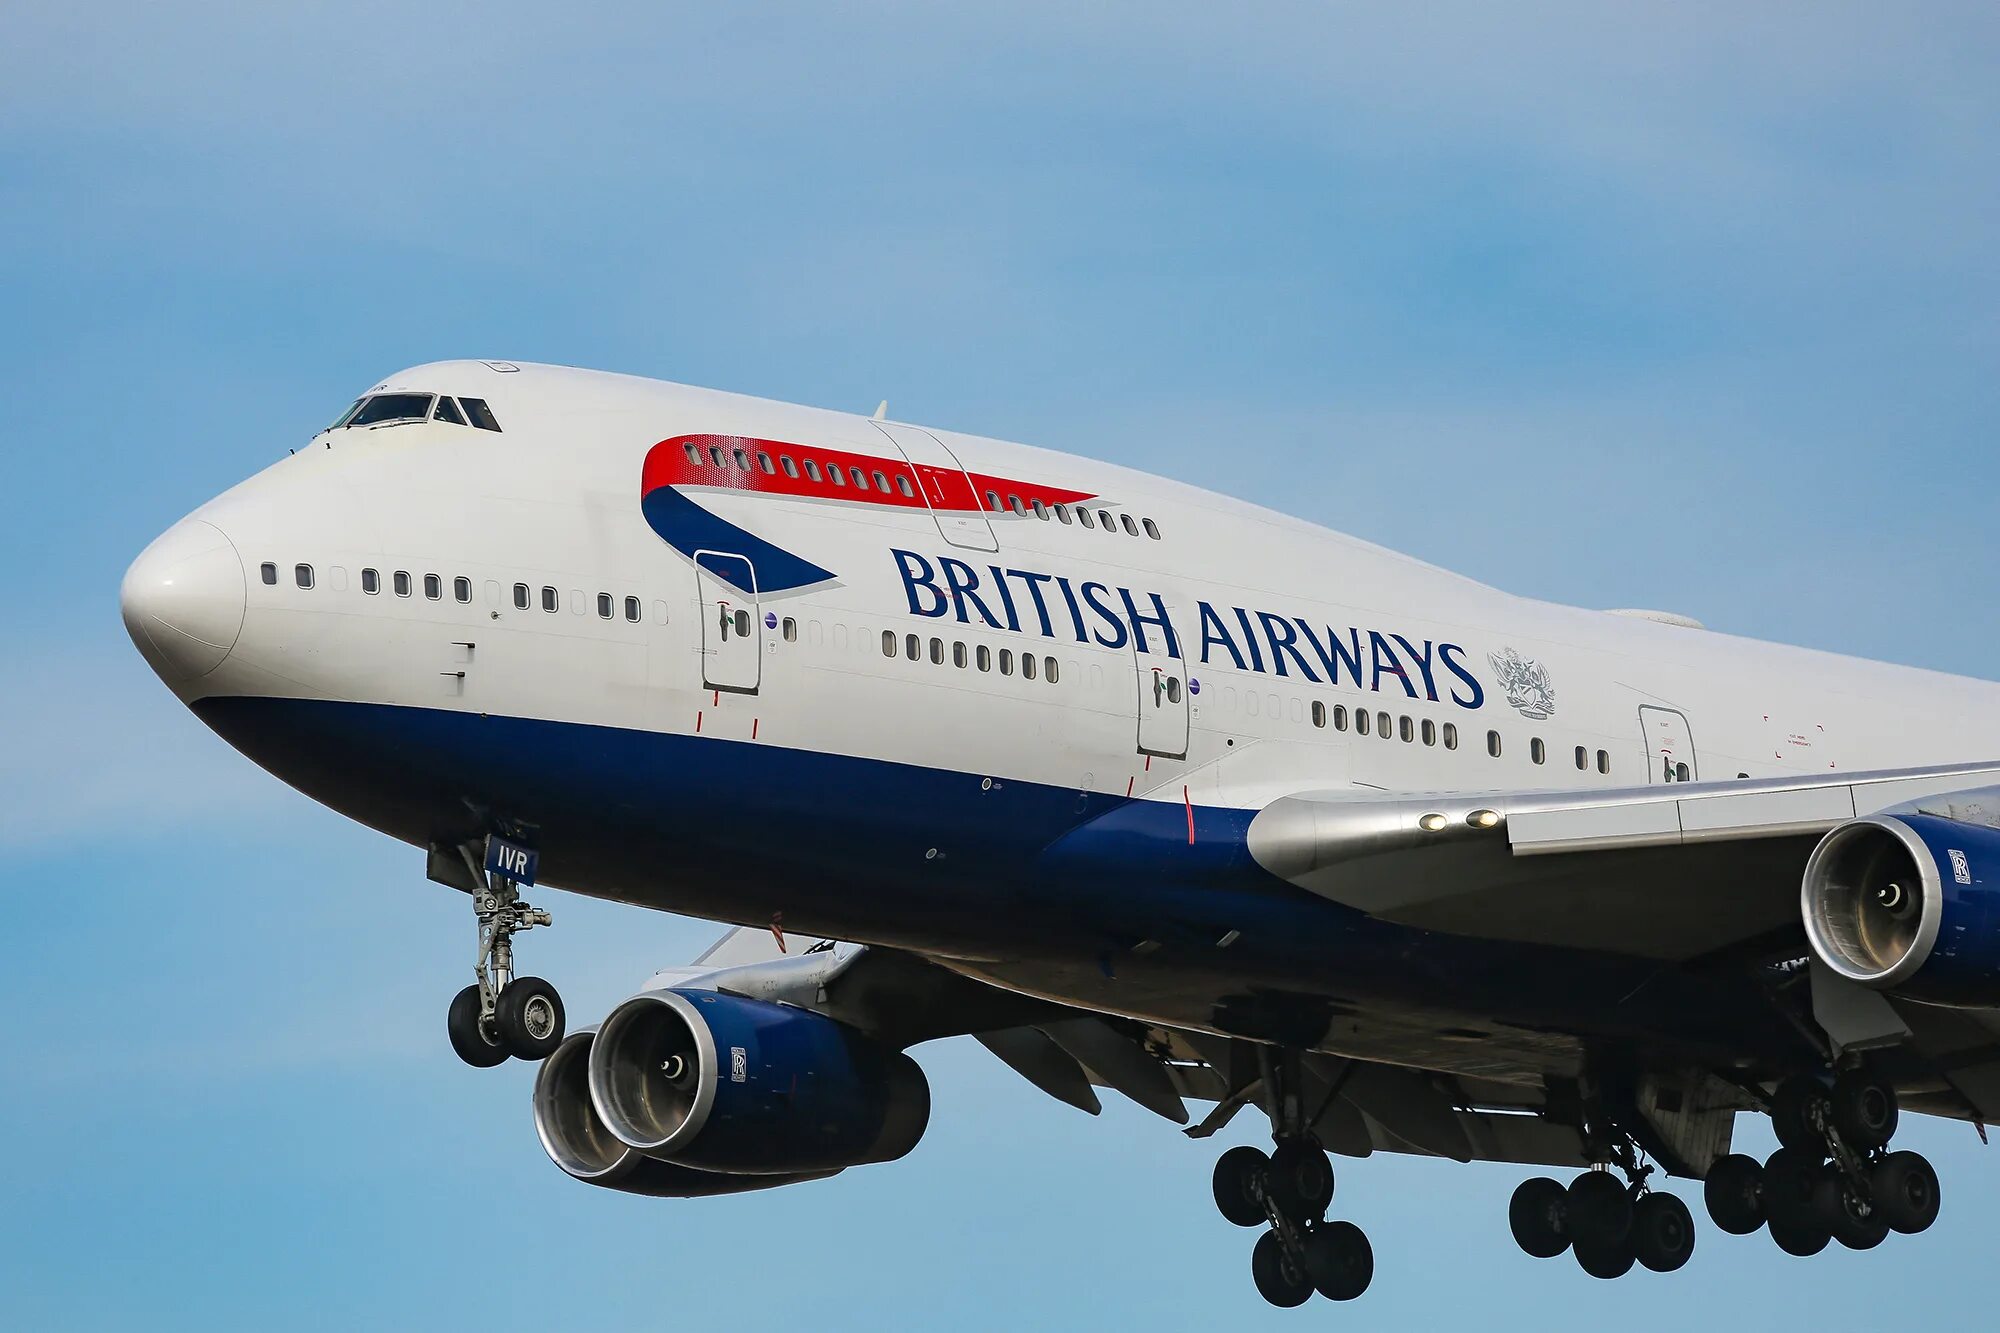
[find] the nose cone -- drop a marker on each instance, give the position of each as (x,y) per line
(183,600)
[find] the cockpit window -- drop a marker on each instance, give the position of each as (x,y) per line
(480,414)
(384,408)
(447,410)
(348,415)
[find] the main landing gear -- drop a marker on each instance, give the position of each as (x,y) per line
(1289,1191)
(1833,1177)
(1607,1223)
(501,1015)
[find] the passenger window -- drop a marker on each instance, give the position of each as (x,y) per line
(1027,666)
(521,596)
(694,454)
(1041,511)
(1537,751)
(888,643)
(632,609)
(1604,761)
(1014,503)
(1451,735)
(1131,528)
(881,483)
(860,478)
(913,647)
(742,460)
(1340,717)
(269,573)
(1152,528)
(480,414)
(302,575)
(1104,517)
(1083,517)
(993,501)
(791,468)
(1062,515)
(812,470)
(1006,661)
(1582,758)
(1361,722)
(982,657)
(402,583)
(604,606)
(1319,713)
(1430,732)
(447,410)
(1383,727)
(903,485)
(549,599)
(715,455)
(461,588)
(791,630)
(1493,743)
(371,582)
(433,587)
(1409,731)
(937,652)
(764,463)
(1050,673)
(836,476)
(958,655)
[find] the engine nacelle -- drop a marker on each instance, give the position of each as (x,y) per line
(576,1140)
(1909,903)
(723,1083)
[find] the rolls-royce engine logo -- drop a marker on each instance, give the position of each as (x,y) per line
(1526,682)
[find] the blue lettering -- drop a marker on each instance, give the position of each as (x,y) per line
(1445,651)
(1214,631)
(1250,641)
(1006,598)
(1386,663)
(1158,618)
(1336,651)
(917,573)
(1075,612)
(1110,615)
(959,577)
(1423,660)
(1283,645)
(1035,582)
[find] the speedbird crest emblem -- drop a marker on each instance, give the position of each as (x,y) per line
(1527,683)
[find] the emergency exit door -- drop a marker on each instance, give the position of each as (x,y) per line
(945,485)
(732,622)
(1163,699)
(1669,745)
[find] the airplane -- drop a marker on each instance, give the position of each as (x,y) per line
(1146,789)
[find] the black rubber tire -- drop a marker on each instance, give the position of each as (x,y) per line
(1339,1260)
(1791,1184)
(1791,1116)
(1279,1280)
(1598,1211)
(1864,1110)
(1535,1215)
(1804,1241)
(1662,1231)
(529,1015)
(1239,1181)
(468,1039)
(1906,1192)
(1301,1180)
(1604,1261)
(1734,1193)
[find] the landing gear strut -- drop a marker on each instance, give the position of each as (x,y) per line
(1607,1223)
(501,1015)
(1833,1178)
(1289,1191)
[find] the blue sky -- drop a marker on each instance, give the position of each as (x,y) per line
(1661,305)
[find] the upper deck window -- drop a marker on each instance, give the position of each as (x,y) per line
(386,408)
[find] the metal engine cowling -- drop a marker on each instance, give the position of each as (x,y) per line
(1909,903)
(576,1140)
(724,1083)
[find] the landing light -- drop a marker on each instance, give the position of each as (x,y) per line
(1482,819)
(1432,823)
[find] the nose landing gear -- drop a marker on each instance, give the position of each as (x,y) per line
(501,1015)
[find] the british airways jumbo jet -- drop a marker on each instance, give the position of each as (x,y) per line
(1144,788)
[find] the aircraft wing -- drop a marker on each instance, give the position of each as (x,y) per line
(1671,872)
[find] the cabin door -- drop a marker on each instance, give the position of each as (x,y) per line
(1669,745)
(732,622)
(946,487)
(1163,694)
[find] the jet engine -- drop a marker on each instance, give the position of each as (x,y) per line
(576,1140)
(1909,903)
(723,1083)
